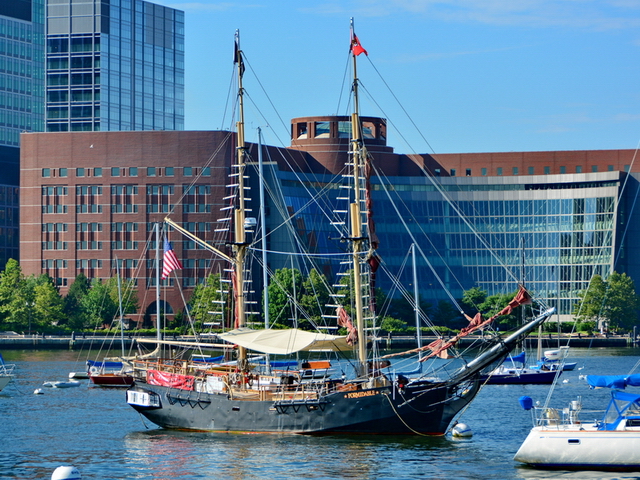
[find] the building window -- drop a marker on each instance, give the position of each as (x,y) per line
(46,172)
(97,172)
(151,171)
(168,172)
(610,168)
(531,170)
(133,171)
(499,171)
(563,170)
(206,172)
(483,172)
(547,170)
(468,172)
(63,172)
(187,171)
(452,172)
(627,168)
(514,171)
(323,129)
(79,172)
(115,171)
(594,168)
(579,169)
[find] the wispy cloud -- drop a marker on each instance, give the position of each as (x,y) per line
(581,14)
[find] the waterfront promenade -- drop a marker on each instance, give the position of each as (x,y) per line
(15,341)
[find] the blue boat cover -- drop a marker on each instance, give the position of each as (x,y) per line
(519,358)
(94,363)
(613,381)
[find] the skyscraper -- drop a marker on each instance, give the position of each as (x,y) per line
(21,104)
(114,65)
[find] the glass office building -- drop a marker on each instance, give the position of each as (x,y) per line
(114,65)
(21,104)
(551,232)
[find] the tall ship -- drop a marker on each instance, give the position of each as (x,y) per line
(245,391)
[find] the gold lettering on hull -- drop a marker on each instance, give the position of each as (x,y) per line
(362,393)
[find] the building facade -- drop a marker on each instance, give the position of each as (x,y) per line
(90,200)
(114,65)
(21,105)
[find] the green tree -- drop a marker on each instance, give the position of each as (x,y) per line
(447,316)
(282,299)
(315,295)
(98,305)
(393,325)
(76,318)
(15,298)
(48,305)
(473,298)
(402,309)
(613,301)
(206,298)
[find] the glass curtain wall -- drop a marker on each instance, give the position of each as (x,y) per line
(114,65)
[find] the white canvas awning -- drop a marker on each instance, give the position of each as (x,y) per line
(284,342)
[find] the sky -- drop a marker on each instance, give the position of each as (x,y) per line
(450,76)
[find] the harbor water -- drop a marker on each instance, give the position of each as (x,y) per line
(93,429)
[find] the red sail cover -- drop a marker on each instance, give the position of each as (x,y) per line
(344,320)
(173,380)
(439,346)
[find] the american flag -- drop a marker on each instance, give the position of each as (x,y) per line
(169,261)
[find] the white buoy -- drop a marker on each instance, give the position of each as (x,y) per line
(38,391)
(66,473)
(461,430)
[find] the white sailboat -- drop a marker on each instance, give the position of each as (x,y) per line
(560,439)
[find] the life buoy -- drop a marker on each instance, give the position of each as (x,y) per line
(94,370)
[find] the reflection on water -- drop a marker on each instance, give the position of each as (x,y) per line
(93,429)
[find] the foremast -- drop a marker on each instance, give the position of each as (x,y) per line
(239,244)
(359,157)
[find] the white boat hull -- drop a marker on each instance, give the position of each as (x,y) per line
(4,380)
(581,446)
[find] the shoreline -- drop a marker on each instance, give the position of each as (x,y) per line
(77,342)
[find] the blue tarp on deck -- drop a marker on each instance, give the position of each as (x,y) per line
(613,381)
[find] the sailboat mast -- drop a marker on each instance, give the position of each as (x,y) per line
(358,153)
(239,244)
(120,304)
(158,318)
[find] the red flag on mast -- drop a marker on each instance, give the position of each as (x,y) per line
(356,48)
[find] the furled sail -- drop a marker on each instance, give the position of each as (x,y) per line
(284,342)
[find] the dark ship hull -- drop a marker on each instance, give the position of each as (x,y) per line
(420,408)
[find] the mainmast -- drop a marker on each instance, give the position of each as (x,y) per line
(239,241)
(358,158)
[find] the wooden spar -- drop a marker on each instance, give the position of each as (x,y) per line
(239,244)
(357,148)
(197,240)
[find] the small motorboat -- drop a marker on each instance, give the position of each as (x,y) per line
(61,384)
(560,440)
